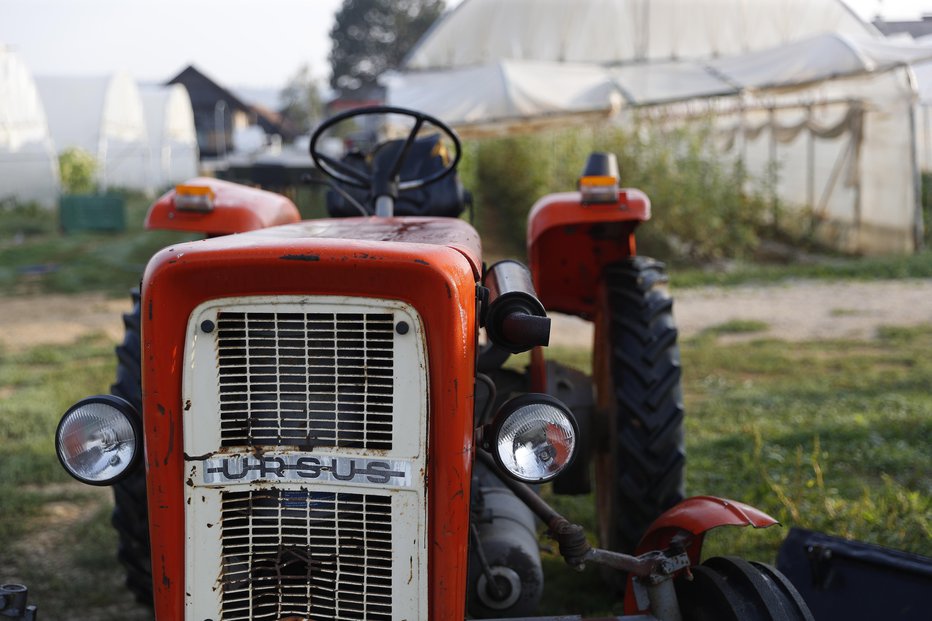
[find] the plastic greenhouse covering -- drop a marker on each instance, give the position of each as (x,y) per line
(797,86)
(103,116)
(172,138)
(28,164)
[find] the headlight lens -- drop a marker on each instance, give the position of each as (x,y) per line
(534,438)
(98,439)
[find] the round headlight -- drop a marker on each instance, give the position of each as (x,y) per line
(98,439)
(534,438)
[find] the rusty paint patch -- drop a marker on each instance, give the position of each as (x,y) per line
(301,257)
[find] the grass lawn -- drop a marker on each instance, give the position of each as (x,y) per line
(832,436)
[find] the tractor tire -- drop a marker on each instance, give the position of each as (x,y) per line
(130,512)
(639,452)
(732,589)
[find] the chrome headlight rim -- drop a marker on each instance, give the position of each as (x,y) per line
(510,408)
(129,412)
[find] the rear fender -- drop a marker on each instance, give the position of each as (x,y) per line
(686,524)
(236,209)
(569,242)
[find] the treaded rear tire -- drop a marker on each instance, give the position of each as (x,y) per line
(130,515)
(640,465)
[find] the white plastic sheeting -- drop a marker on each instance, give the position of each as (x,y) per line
(172,137)
(620,31)
(28,165)
(103,116)
(829,105)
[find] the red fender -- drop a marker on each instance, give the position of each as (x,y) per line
(694,517)
(236,209)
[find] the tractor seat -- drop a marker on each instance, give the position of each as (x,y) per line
(445,198)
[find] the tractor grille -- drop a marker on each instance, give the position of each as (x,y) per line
(313,555)
(306,379)
(305,440)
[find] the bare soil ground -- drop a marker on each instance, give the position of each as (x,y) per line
(58,319)
(796,311)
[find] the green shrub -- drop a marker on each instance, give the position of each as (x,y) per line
(702,209)
(78,170)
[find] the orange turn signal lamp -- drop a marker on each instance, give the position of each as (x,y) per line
(194,198)
(598,189)
(599,180)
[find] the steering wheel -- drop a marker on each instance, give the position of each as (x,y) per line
(384,181)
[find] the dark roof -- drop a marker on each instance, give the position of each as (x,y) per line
(204,90)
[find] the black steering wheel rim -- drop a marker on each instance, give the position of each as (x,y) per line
(345,174)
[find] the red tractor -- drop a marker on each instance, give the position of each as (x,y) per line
(307,425)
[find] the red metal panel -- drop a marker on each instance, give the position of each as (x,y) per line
(439,281)
(569,243)
(237,209)
(695,516)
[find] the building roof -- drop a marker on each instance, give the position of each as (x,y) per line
(205,91)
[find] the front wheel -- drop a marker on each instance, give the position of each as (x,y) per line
(732,589)
(130,512)
(640,460)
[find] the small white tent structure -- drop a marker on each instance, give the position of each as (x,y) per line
(172,138)
(802,86)
(103,116)
(28,165)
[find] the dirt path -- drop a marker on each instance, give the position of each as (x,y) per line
(796,311)
(58,319)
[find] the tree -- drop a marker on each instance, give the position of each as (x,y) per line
(372,36)
(299,103)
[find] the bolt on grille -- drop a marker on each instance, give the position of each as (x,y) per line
(312,555)
(306,379)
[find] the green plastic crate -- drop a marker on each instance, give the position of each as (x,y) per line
(92,212)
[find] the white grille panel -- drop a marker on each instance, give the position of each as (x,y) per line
(308,379)
(320,555)
(305,431)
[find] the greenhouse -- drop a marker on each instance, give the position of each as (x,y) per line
(803,88)
(28,164)
(103,116)
(172,138)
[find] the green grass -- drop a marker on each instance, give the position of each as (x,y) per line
(821,268)
(35,257)
(833,436)
(830,435)
(738,326)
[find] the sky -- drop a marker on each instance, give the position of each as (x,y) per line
(239,43)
